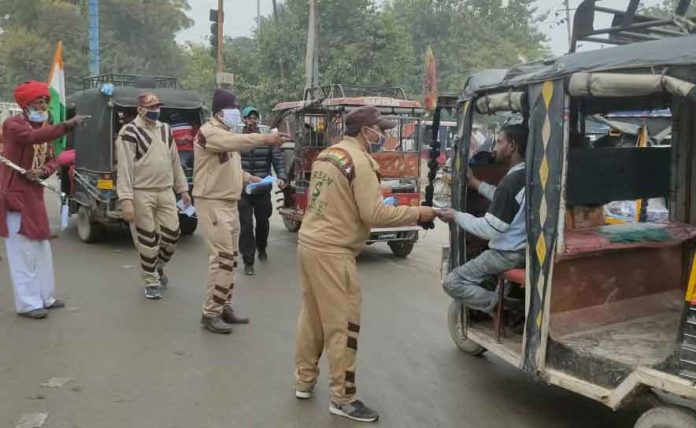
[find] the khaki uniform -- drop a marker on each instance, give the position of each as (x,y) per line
(219,181)
(345,201)
(149,173)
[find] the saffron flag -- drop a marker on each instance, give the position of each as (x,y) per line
(56,84)
(430,82)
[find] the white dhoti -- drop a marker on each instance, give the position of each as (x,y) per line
(31,268)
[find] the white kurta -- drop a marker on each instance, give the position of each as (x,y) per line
(31,268)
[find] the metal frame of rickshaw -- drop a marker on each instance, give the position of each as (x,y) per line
(331,103)
(550,101)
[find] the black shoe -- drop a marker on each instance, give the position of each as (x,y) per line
(215,324)
(263,256)
(356,411)
(249,270)
(229,316)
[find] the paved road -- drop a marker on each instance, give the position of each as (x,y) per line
(141,364)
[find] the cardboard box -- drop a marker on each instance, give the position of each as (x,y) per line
(582,217)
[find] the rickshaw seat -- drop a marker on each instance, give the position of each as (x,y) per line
(517,276)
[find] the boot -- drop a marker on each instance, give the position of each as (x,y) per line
(215,324)
(230,317)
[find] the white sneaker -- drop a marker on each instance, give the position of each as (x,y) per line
(303,395)
(356,411)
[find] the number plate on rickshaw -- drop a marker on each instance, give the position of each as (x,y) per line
(105,184)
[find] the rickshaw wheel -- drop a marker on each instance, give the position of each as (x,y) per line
(667,417)
(457,319)
(291,225)
(401,248)
(88,230)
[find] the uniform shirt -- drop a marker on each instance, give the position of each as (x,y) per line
(27,145)
(504,223)
(217,165)
(147,159)
(345,201)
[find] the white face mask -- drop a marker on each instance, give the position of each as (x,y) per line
(231,117)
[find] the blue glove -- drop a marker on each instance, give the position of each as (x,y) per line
(266,182)
(390,201)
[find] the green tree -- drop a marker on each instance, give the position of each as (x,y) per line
(136,37)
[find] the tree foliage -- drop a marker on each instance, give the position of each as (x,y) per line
(361,42)
(136,37)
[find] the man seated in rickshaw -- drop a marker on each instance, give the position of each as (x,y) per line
(503,225)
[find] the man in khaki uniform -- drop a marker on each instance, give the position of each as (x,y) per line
(345,201)
(219,181)
(149,173)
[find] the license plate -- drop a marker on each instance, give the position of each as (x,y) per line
(105,184)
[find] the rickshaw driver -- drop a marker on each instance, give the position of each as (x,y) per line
(503,225)
(345,202)
(149,173)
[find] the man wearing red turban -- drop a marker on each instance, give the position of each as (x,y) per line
(23,218)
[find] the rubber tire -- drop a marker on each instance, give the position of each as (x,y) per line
(291,225)
(401,248)
(187,224)
(667,417)
(455,329)
(87,230)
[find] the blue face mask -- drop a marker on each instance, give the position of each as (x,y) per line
(152,115)
(377,145)
(37,116)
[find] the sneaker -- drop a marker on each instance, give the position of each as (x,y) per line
(215,324)
(303,395)
(230,317)
(356,411)
(153,292)
(263,256)
(249,270)
(36,314)
(57,304)
(164,280)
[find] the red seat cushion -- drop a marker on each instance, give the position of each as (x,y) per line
(515,275)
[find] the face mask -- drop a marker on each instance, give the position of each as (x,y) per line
(37,116)
(381,139)
(152,115)
(231,117)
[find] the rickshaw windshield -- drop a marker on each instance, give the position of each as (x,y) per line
(402,138)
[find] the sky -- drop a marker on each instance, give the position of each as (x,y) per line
(240,19)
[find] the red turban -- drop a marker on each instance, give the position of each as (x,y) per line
(27,92)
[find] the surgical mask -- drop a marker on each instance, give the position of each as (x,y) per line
(152,115)
(231,117)
(380,140)
(37,116)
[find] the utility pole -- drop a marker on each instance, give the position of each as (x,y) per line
(569,25)
(94,37)
(312,56)
(220,35)
(258,13)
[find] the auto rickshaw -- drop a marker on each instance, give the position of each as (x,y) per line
(605,310)
(111,101)
(317,122)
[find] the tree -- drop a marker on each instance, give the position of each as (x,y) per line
(136,37)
